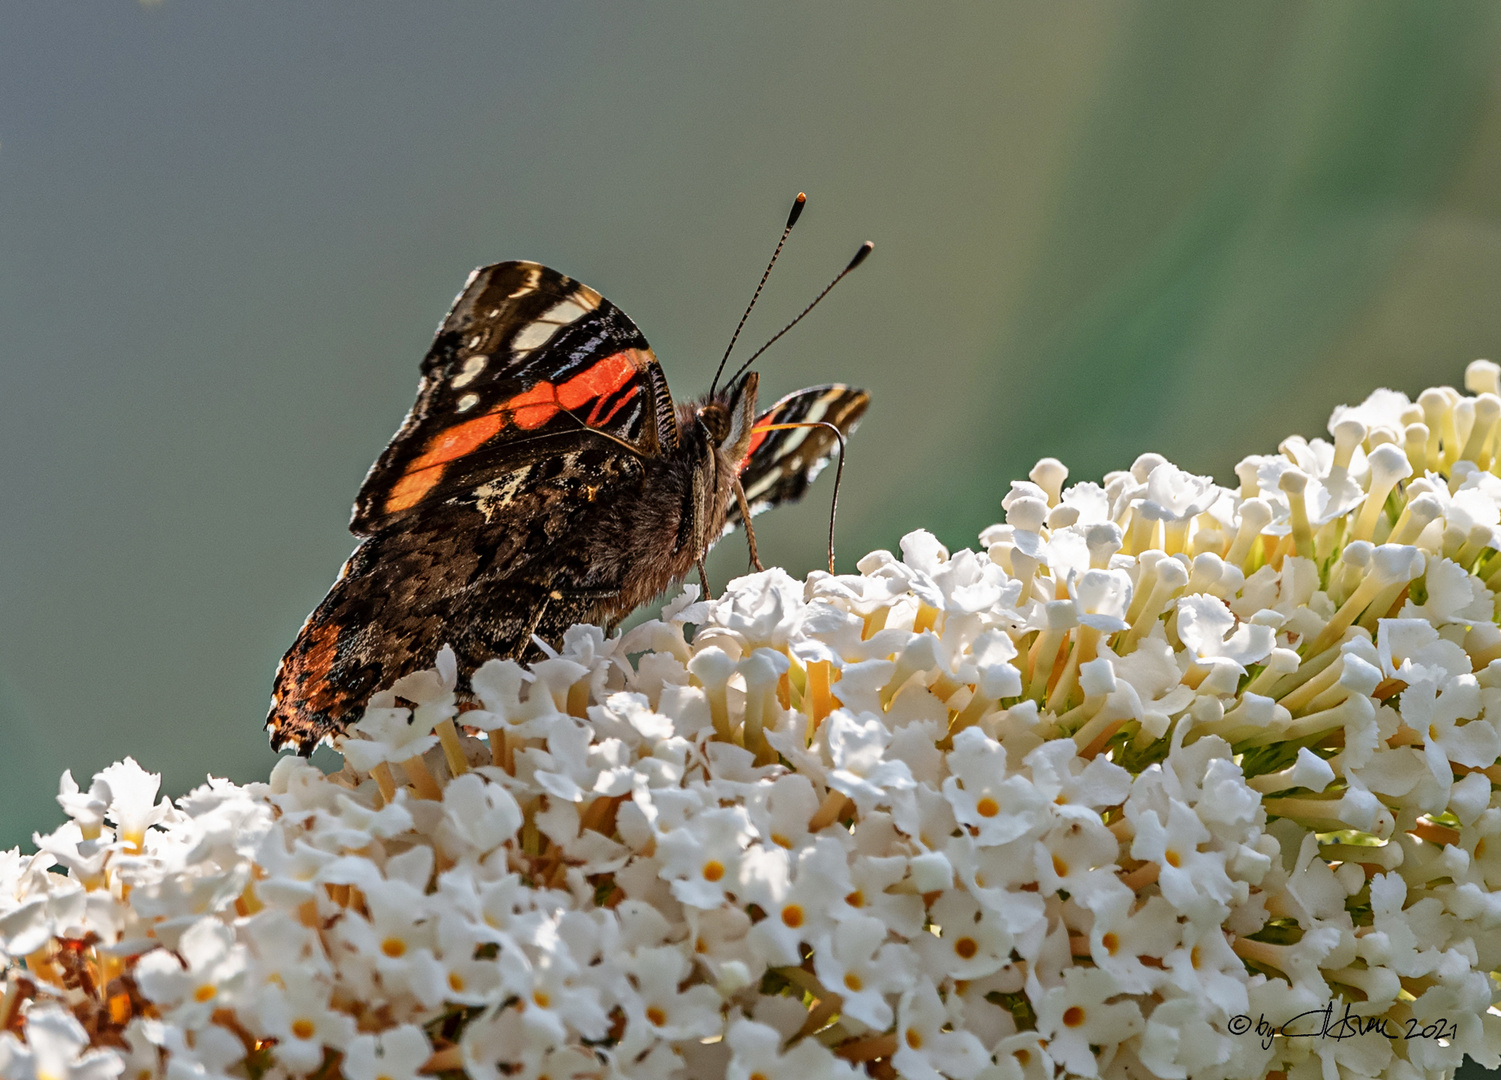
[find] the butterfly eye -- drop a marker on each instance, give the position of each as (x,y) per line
(716,421)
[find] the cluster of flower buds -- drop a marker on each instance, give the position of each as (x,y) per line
(1160,769)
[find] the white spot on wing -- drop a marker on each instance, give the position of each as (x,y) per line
(537,332)
(494,495)
(472,367)
(795,438)
(528,284)
(760,487)
(467,402)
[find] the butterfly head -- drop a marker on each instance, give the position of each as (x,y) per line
(727,416)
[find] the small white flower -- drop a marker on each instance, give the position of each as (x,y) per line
(1000,807)
(1174,495)
(1205,967)
(1079,1016)
(213,1054)
(479,816)
(284,950)
(86,808)
(84,859)
(304,1025)
(1189,878)
(560,998)
(925,1049)
(800,897)
(396,942)
(1179,1041)
(56,1048)
(968,940)
(862,771)
(659,1008)
(1208,627)
(701,858)
(391,734)
(209,977)
(131,793)
(857,963)
(756,1055)
(395,1054)
(1412,650)
(1102,598)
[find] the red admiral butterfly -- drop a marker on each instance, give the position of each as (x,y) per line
(543,478)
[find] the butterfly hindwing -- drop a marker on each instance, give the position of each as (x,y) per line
(525,364)
(483,584)
(781,464)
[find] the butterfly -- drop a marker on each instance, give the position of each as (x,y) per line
(544,477)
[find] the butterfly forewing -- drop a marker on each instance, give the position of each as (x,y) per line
(527,364)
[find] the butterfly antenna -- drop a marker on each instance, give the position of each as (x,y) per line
(860,256)
(797,209)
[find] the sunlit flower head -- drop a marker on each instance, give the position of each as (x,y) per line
(1159,757)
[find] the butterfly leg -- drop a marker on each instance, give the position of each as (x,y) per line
(536,621)
(601,593)
(750,532)
(703,577)
(563,606)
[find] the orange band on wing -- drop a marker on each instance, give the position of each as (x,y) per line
(528,410)
(545,400)
(604,378)
(757,438)
(408,491)
(459,440)
(448,444)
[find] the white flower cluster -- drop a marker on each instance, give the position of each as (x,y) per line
(1165,766)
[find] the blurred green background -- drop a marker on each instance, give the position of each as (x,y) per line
(228,230)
